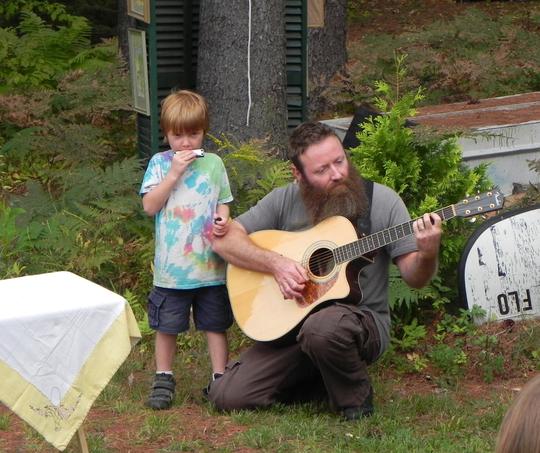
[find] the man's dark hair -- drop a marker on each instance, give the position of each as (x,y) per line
(305,135)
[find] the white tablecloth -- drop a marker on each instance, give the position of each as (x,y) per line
(62,338)
(49,325)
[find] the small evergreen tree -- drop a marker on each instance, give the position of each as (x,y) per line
(423,166)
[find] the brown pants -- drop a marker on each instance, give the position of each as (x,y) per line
(329,359)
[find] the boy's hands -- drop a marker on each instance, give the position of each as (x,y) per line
(221,225)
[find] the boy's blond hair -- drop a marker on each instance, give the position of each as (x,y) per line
(184,111)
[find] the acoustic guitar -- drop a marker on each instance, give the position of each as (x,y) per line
(325,251)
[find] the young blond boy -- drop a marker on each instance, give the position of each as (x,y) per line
(187,195)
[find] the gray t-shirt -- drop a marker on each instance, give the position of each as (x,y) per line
(283,209)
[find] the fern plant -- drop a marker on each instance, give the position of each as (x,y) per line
(10,10)
(36,53)
(12,244)
(90,227)
(253,171)
(71,180)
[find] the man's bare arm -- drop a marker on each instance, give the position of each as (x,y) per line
(237,248)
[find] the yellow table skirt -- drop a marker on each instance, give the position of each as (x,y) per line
(58,424)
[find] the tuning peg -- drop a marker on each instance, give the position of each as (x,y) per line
(472,219)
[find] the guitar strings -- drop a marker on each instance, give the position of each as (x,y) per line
(323,258)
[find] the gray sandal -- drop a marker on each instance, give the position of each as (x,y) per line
(162,394)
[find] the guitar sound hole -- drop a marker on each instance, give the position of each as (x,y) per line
(321,262)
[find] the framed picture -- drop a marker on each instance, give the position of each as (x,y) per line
(139,9)
(138,70)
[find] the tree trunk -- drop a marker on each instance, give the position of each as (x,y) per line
(244,104)
(327,54)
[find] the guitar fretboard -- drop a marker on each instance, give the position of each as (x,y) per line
(362,246)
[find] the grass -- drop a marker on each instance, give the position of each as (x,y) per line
(97,443)
(155,427)
(415,410)
(4,422)
(402,424)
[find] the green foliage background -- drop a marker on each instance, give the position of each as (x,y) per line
(44,43)
(70,173)
(69,169)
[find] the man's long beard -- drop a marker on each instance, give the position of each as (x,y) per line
(347,198)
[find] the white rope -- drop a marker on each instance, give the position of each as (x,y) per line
(249,63)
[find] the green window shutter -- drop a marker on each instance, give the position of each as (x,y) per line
(172,38)
(176,36)
(172,58)
(296,61)
(144,135)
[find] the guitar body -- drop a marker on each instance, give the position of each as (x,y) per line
(333,255)
(257,303)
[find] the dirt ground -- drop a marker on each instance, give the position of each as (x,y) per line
(124,430)
(398,16)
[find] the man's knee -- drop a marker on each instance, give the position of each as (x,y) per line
(317,335)
(225,395)
(232,392)
(329,333)
(226,398)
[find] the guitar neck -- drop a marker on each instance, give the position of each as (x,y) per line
(367,244)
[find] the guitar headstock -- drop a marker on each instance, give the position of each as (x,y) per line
(480,204)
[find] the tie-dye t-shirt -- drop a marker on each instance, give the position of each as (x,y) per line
(183,254)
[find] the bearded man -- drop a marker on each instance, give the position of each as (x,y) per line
(327,355)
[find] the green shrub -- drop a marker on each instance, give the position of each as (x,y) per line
(413,334)
(425,168)
(450,360)
(12,243)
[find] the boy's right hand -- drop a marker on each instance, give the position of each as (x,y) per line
(181,160)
